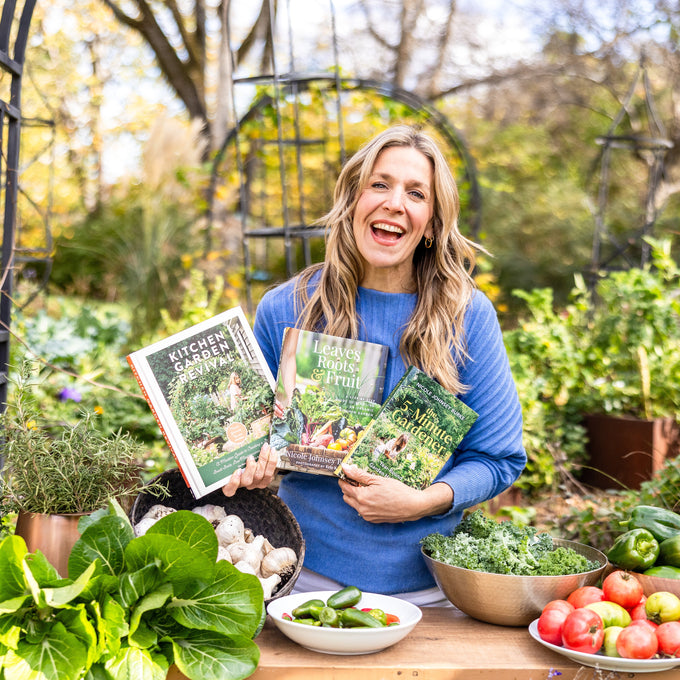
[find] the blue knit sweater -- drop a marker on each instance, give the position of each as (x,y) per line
(385,558)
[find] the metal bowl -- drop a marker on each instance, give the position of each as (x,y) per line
(508,600)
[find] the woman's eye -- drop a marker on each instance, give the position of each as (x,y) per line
(379,185)
(418,194)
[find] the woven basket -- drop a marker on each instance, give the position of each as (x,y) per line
(260,509)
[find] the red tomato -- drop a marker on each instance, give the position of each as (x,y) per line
(562,605)
(585,595)
(583,631)
(644,622)
(392,618)
(638,612)
(637,642)
(623,588)
(550,624)
(668,635)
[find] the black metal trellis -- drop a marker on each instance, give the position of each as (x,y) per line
(652,145)
(14,27)
(277,155)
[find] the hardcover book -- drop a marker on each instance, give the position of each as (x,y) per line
(416,431)
(327,390)
(211,392)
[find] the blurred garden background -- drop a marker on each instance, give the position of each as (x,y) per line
(148,175)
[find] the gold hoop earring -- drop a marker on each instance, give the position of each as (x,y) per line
(428,242)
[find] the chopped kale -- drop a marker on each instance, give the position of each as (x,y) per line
(483,544)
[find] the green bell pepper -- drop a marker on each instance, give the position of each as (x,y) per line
(635,550)
(669,551)
(661,523)
(663,571)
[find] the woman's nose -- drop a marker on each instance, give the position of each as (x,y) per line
(394,200)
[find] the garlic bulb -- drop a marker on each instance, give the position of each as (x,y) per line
(245,567)
(279,561)
(248,552)
(144,525)
(223,554)
(269,584)
(157,511)
(230,530)
(213,513)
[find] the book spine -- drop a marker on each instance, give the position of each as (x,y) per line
(158,420)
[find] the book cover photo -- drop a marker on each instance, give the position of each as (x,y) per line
(328,389)
(416,431)
(211,392)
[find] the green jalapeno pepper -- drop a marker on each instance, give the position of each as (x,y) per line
(661,523)
(329,617)
(347,597)
(636,550)
(308,622)
(669,551)
(663,571)
(355,618)
(303,611)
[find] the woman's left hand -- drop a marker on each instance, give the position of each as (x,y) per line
(381,499)
(257,474)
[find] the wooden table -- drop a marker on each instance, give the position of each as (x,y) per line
(445,645)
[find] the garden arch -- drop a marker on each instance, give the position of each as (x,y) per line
(14,27)
(274,174)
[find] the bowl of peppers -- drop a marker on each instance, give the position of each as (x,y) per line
(650,546)
(347,621)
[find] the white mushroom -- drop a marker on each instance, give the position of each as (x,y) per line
(158,511)
(269,585)
(279,561)
(230,530)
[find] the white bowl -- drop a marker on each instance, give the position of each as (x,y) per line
(345,640)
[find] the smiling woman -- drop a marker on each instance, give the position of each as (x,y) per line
(397,273)
(392,216)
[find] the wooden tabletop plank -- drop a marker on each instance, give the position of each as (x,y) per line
(445,645)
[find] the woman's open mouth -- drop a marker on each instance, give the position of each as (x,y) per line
(386,232)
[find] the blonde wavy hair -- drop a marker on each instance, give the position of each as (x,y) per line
(434,337)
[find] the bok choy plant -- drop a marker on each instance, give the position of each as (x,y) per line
(131,606)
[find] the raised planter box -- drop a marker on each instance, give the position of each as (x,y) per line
(623,452)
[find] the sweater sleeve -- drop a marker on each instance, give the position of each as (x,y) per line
(491,456)
(274,313)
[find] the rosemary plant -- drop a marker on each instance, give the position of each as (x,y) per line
(64,468)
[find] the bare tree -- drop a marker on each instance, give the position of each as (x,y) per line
(177,34)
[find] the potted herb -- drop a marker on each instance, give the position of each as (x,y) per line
(54,473)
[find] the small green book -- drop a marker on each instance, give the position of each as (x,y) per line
(415,432)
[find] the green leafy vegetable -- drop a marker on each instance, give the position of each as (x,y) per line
(483,544)
(131,607)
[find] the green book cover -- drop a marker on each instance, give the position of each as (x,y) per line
(211,392)
(328,389)
(416,431)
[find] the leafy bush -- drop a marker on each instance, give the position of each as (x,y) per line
(614,350)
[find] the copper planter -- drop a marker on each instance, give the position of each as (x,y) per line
(53,535)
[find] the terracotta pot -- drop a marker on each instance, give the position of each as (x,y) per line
(623,452)
(53,535)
